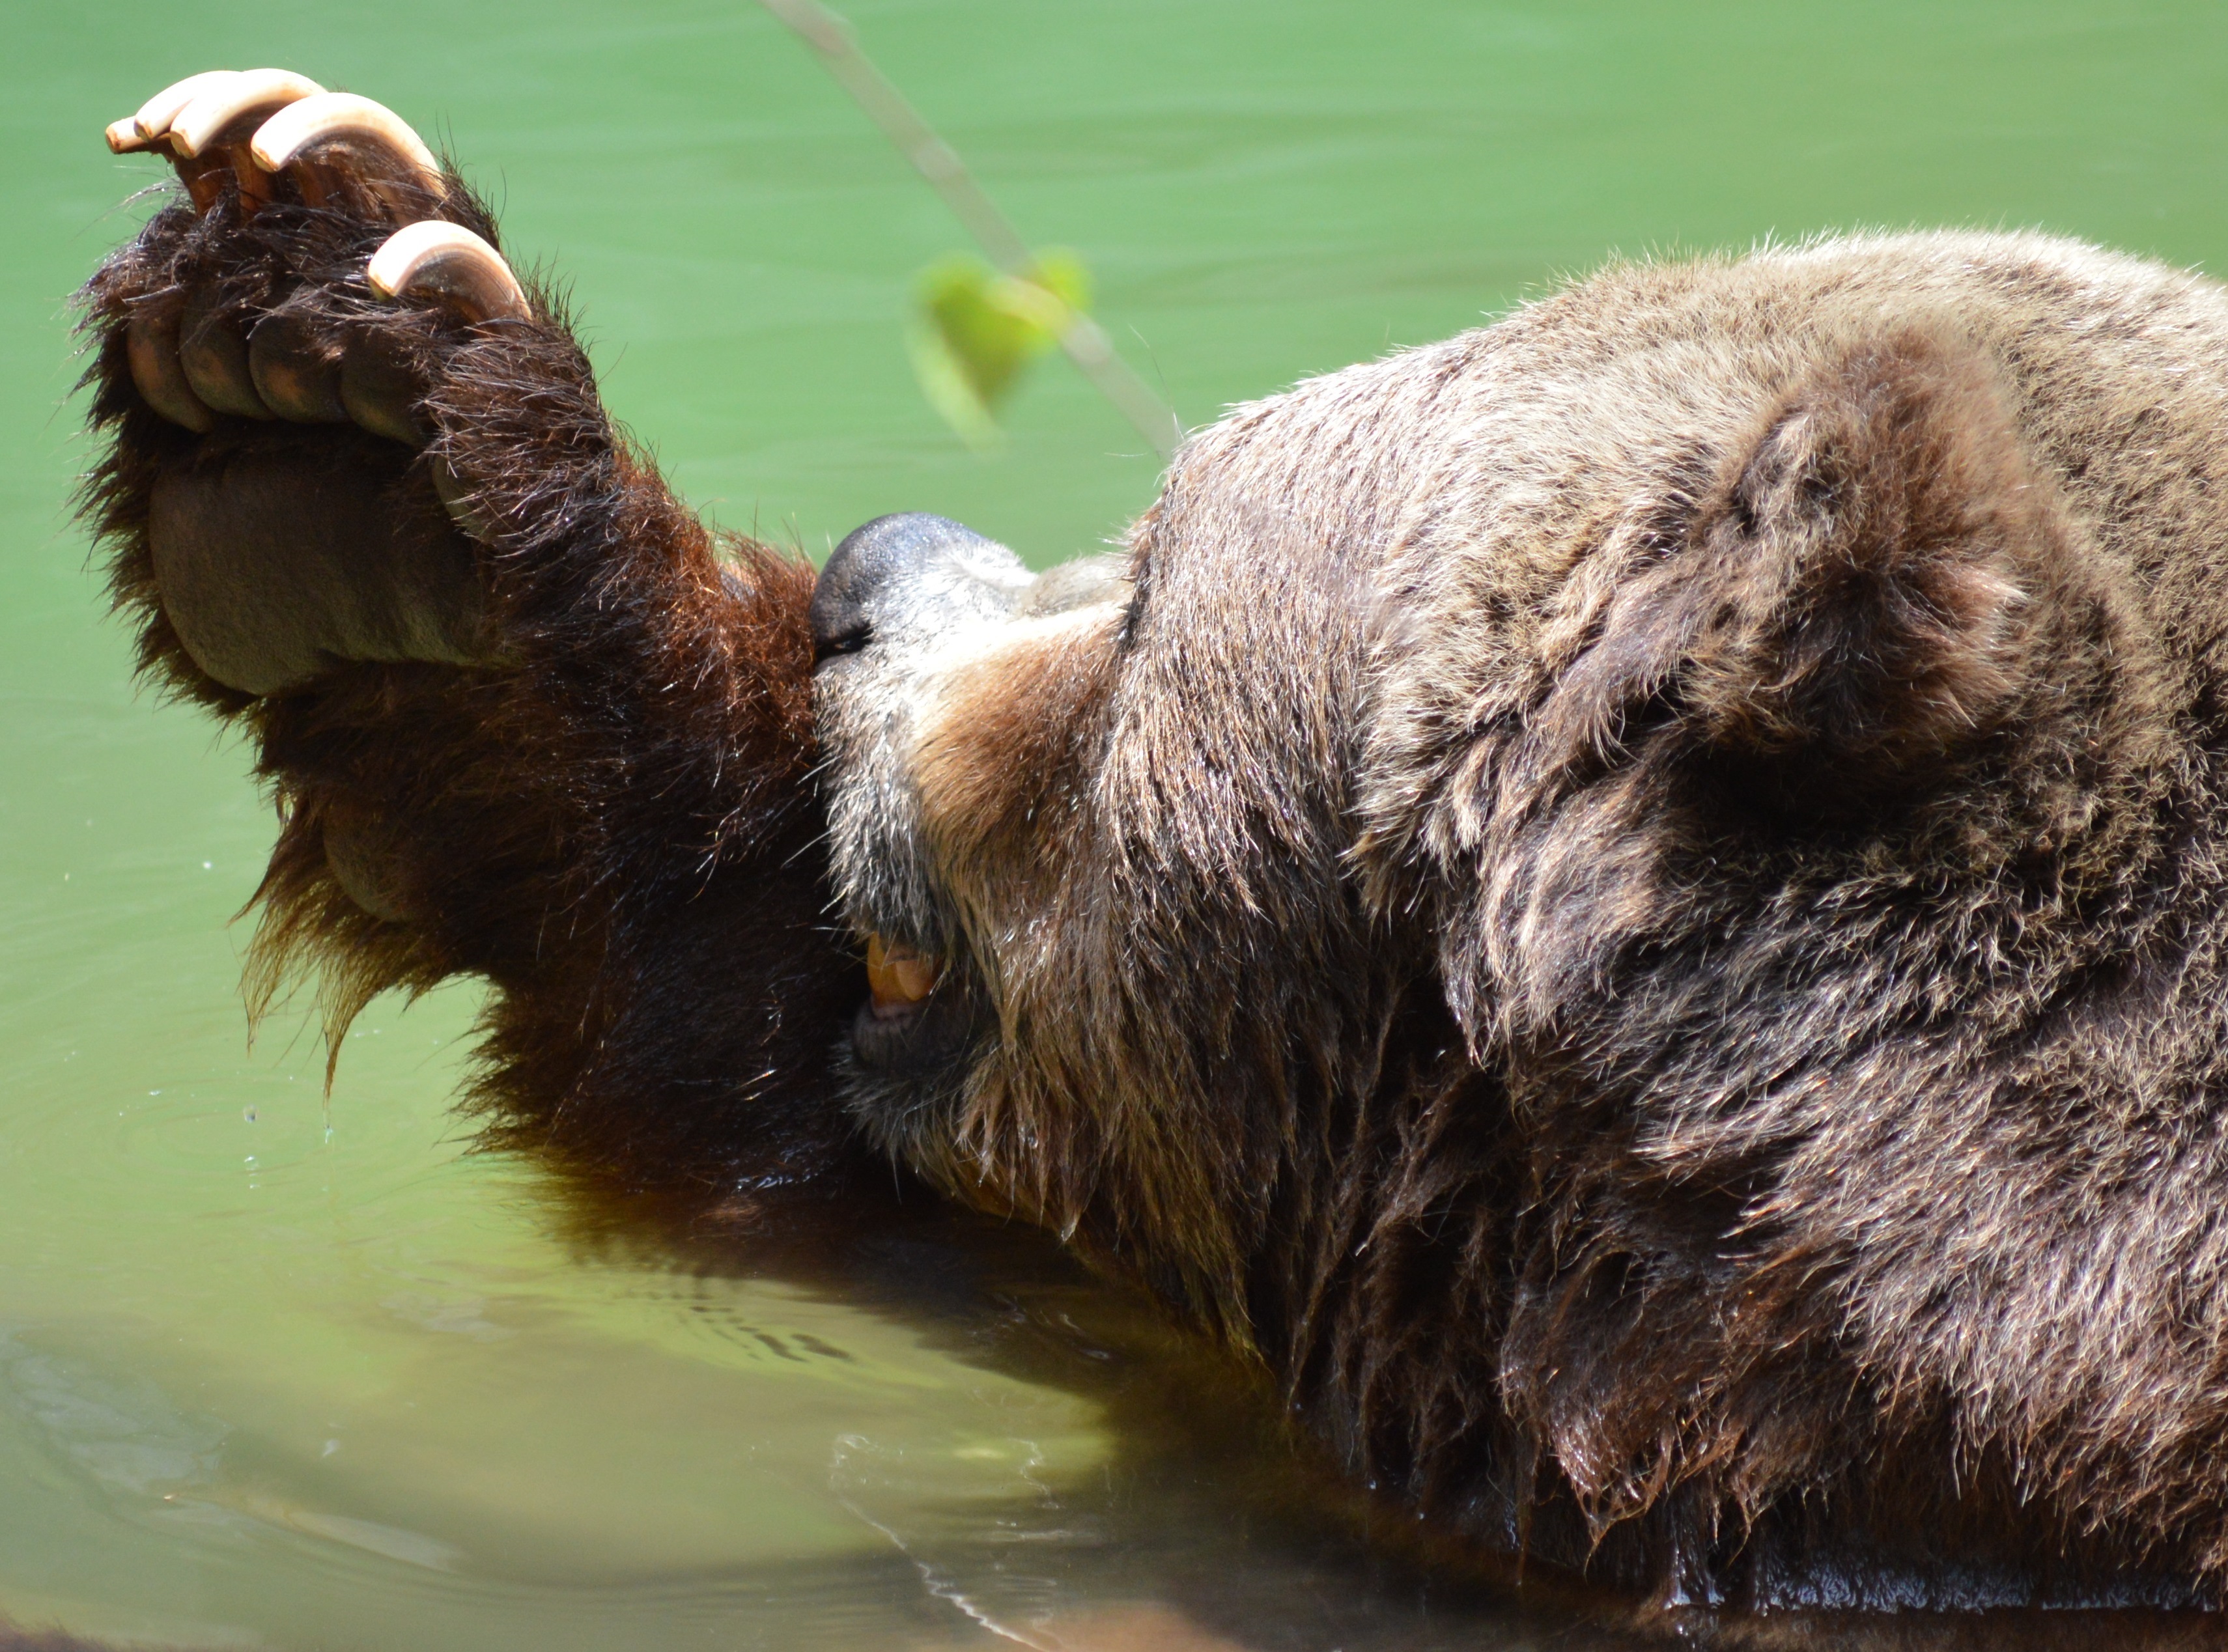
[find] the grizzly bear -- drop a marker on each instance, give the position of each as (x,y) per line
(1631,904)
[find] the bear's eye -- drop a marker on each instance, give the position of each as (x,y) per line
(849,640)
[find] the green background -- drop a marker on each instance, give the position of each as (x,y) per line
(277,1373)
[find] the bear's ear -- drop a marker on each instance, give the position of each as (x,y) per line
(1854,596)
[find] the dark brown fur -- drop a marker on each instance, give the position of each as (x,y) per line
(1635,903)
(608,816)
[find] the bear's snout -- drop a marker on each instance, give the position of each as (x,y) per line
(907,577)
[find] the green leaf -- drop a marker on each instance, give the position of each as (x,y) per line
(974,329)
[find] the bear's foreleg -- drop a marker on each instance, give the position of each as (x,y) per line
(523,715)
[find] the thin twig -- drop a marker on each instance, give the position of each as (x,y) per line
(833,40)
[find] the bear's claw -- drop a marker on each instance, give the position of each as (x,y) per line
(450,264)
(359,493)
(124,137)
(222,112)
(151,123)
(339,150)
(375,140)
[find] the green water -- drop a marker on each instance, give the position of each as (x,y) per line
(277,1373)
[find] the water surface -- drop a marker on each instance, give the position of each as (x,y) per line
(277,1371)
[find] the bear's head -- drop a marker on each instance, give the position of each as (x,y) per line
(1631,898)
(1449,726)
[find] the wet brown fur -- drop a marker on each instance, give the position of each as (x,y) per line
(1636,905)
(611,819)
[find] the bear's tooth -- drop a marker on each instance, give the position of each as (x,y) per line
(897,975)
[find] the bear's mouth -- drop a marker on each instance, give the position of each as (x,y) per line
(900,978)
(917,1015)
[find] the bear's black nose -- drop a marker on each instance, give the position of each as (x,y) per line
(874,570)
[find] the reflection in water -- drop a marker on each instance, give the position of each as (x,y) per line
(1185,1520)
(1067,1470)
(124,1433)
(958,1435)
(1198,1522)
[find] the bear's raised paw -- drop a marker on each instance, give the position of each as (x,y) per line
(525,716)
(294,312)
